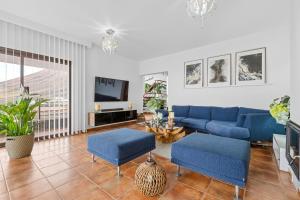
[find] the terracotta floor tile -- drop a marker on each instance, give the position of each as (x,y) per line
(4,196)
(263,165)
(93,169)
(286,180)
(53,169)
(63,177)
(255,196)
(3,188)
(264,190)
(50,195)
(140,159)
(43,156)
(31,190)
(135,194)
(94,195)
(195,180)
(181,191)
(23,178)
(117,186)
(78,161)
(48,161)
(263,175)
(75,188)
(104,175)
(210,197)
(222,191)
(291,194)
(12,162)
(130,172)
(11,170)
(126,166)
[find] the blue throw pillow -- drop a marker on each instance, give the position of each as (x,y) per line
(241,120)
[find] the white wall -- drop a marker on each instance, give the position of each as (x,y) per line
(295,62)
(276,41)
(112,66)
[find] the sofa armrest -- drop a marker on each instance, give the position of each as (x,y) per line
(262,126)
(164,113)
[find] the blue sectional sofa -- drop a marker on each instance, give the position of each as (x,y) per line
(234,122)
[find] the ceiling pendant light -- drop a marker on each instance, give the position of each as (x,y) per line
(109,42)
(200,8)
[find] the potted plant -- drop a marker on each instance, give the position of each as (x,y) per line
(17,123)
(280,109)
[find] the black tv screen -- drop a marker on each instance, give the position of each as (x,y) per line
(107,89)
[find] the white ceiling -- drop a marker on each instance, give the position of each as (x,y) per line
(151,28)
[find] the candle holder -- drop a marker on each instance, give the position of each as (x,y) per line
(171,120)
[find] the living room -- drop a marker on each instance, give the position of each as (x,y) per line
(184,99)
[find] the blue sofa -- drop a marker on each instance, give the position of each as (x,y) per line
(234,122)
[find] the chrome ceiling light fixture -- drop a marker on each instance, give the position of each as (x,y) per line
(200,8)
(109,42)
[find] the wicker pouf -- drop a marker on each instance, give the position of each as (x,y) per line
(150,178)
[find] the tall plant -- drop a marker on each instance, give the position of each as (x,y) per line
(16,119)
(154,103)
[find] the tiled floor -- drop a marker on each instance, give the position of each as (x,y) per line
(62,169)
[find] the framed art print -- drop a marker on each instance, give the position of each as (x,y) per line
(251,67)
(219,71)
(193,74)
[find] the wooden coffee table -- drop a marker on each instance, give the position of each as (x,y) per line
(166,134)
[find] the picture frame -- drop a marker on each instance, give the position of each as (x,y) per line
(193,74)
(250,67)
(219,71)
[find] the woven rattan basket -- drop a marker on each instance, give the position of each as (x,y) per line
(150,178)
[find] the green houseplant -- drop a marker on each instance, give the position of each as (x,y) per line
(17,123)
(280,109)
(155,103)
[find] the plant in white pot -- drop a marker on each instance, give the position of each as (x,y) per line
(17,123)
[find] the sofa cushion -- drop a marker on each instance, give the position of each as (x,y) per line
(222,158)
(224,114)
(199,124)
(200,112)
(227,130)
(241,120)
(178,119)
(243,111)
(181,111)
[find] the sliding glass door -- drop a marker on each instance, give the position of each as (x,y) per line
(9,80)
(46,78)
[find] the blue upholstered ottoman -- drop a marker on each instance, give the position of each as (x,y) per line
(121,145)
(225,159)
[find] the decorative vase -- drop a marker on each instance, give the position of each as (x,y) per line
(19,146)
(150,178)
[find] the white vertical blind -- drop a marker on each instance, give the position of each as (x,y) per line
(47,62)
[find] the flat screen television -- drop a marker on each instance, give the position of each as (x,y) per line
(107,89)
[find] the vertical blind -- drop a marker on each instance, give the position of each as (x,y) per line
(52,68)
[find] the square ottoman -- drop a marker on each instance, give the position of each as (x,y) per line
(121,145)
(225,159)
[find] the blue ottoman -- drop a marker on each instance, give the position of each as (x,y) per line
(225,159)
(121,145)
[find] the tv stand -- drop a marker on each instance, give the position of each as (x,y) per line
(104,117)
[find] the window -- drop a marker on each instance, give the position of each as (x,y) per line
(47,78)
